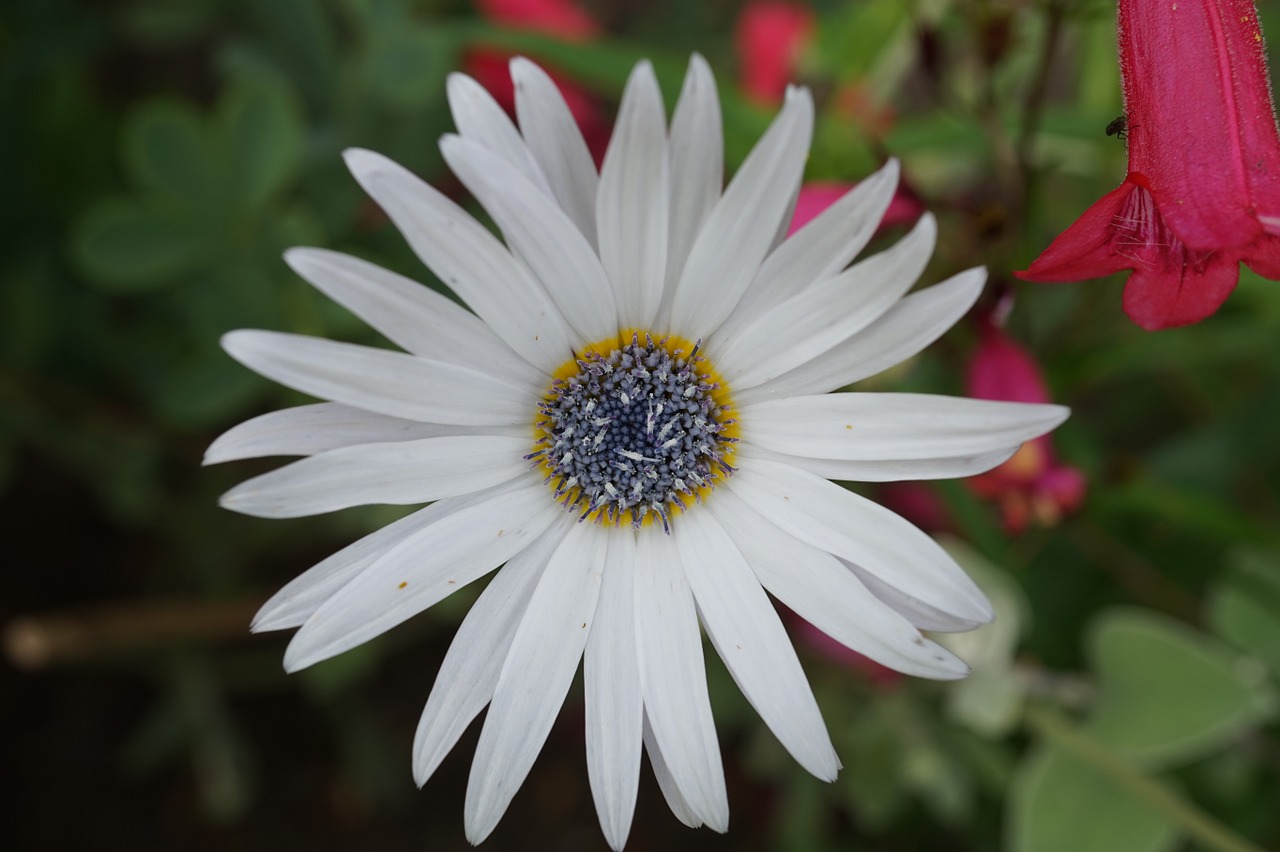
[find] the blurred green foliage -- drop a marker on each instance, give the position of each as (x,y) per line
(161,157)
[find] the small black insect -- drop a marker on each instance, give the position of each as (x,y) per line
(1119,127)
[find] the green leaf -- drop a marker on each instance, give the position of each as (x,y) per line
(858,38)
(1166,693)
(164,23)
(298,37)
(407,66)
(989,701)
(128,248)
(600,66)
(800,821)
(329,679)
(263,123)
(1191,510)
(870,740)
(168,150)
(1059,803)
(1098,74)
(376,14)
(32,308)
(940,782)
(1245,607)
(203,392)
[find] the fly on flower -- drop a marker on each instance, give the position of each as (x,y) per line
(1118,127)
(635,423)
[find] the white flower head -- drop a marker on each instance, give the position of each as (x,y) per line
(636,421)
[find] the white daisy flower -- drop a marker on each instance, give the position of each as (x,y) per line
(637,424)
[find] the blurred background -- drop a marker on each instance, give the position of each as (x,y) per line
(161,155)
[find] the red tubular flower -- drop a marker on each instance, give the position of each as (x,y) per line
(1203,188)
(562,18)
(768,37)
(1031,486)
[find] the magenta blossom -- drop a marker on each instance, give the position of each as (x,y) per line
(846,658)
(904,209)
(562,18)
(1031,487)
(559,17)
(769,36)
(1203,189)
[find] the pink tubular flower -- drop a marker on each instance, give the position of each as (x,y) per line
(846,658)
(1031,486)
(768,37)
(1203,188)
(562,18)
(904,209)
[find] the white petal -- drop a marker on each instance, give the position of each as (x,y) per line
(611,683)
(823,315)
(425,568)
(893,470)
(396,473)
(911,608)
(540,233)
(750,638)
(469,260)
(893,426)
(536,675)
(382,381)
(697,163)
(674,679)
(553,136)
(631,209)
(305,430)
(306,593)
(478,117)
(784,223)
(737,234)
(824,246)
(469,672)
(906,329)
(409,314)
(823,591)
(852,527)
(666,783)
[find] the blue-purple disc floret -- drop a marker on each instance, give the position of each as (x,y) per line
(635,431)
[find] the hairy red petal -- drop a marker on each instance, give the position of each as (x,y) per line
(1263,257)
(1085,250)
(1170,294)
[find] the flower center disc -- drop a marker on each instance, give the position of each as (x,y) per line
(634,431)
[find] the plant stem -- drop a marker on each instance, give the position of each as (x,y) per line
(1033,104)
(1201,826)
(37,642)
(1138,576)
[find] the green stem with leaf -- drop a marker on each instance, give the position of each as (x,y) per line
(1196,823)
